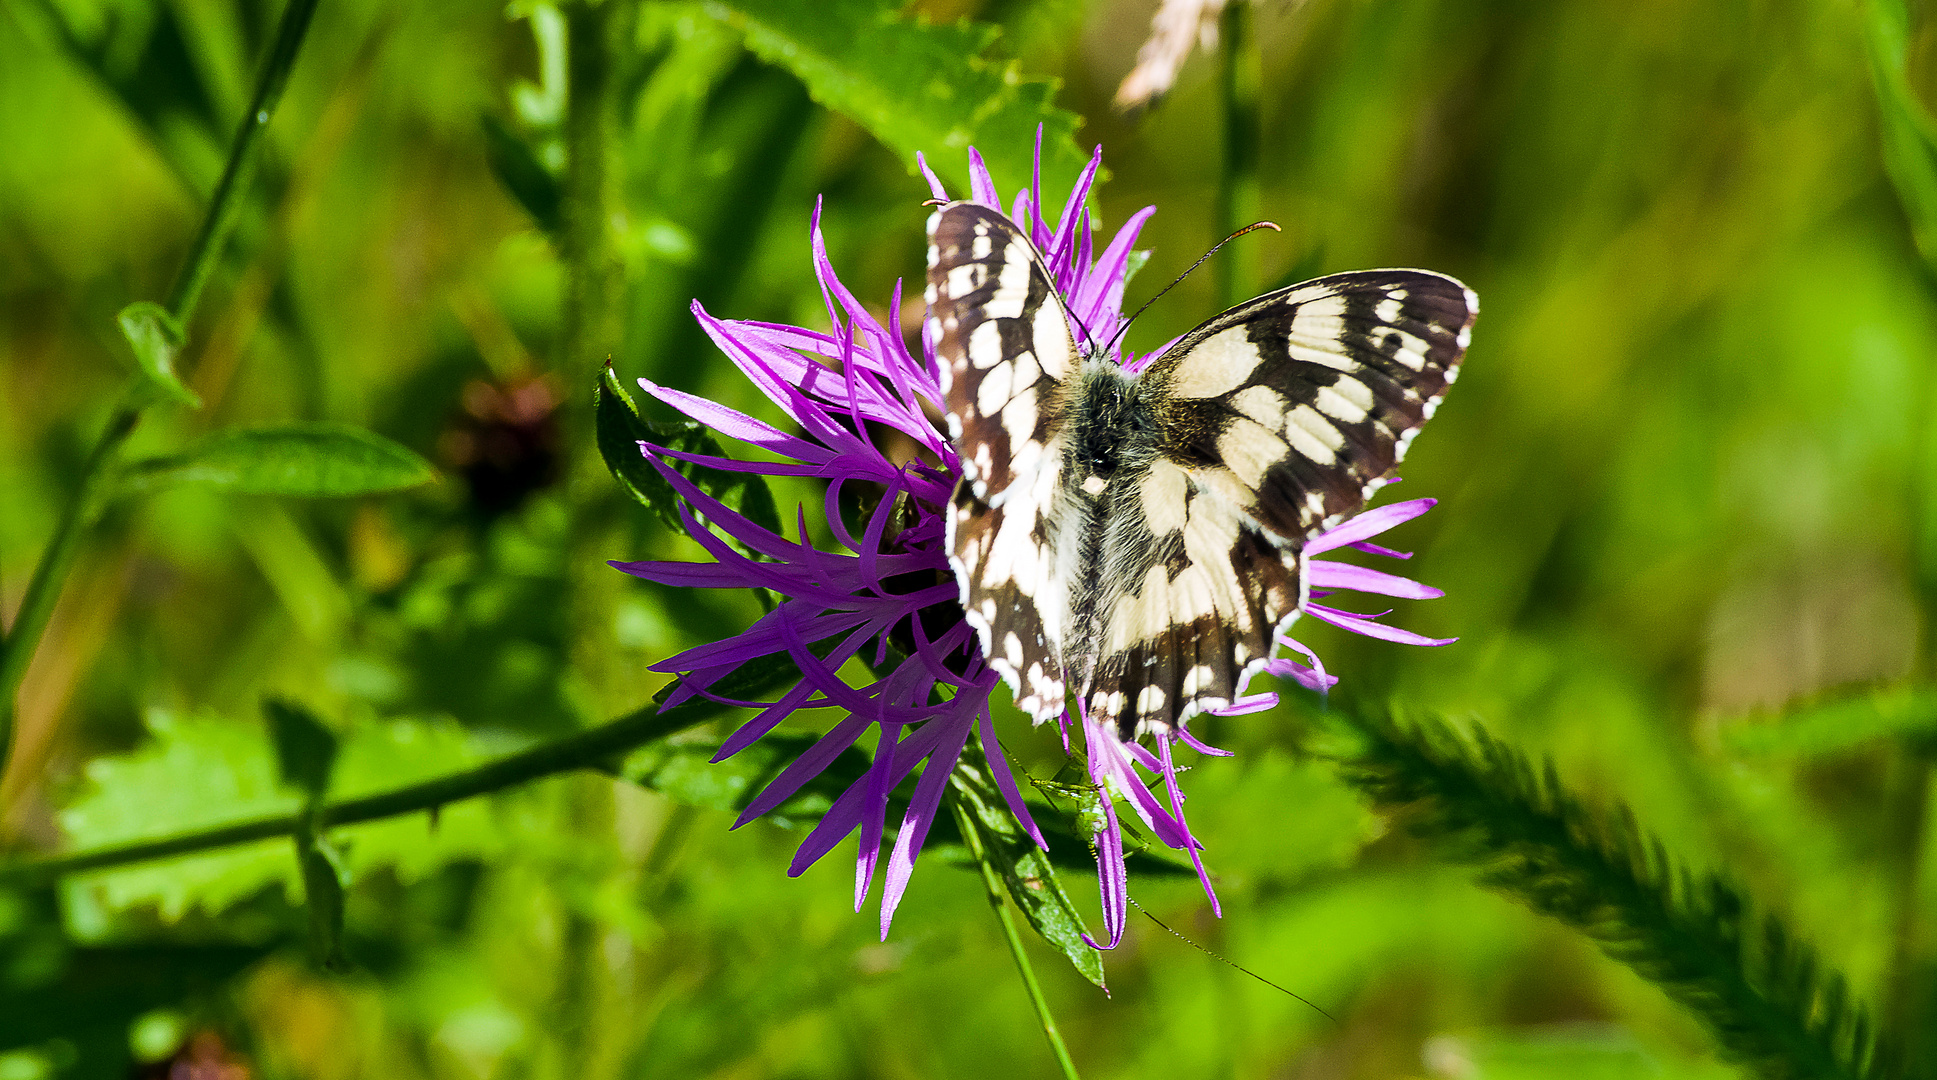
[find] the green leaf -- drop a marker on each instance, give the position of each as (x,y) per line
(620,431)
(143,795)
(308,460)
(1909,135)
(917,86)
(1834,724)
(156,337)
(1024,868)
(521,172)
(196,771)
(305,748)
(323,881)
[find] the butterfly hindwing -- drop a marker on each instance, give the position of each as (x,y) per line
(1005,352)
(1192,592)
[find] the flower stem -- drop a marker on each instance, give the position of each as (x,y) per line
(1906,997)
(1239,78)
(244,151)
(50,573)
(1001,905)
(595,295)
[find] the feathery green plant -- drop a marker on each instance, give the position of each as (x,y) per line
(1771,1004)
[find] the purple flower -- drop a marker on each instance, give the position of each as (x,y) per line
(889,597)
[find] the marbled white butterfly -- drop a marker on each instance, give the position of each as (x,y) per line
(1137,538)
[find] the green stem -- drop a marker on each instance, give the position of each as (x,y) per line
(50,573)
(1239,79)
(244,152)
(585,749)
(1001,905)
(1906,989)
(591,333)
(591,205)
(44,588)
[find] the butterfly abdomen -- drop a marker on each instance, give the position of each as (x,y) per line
(1109,439)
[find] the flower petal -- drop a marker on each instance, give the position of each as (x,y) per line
(1368,524)
(1358,625)
(1325,574)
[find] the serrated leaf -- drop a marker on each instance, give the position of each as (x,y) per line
(305,460)
(305,748)
(142,795)
(620,431)
(146,795)
(156,338)
(1023,867)
(917,86)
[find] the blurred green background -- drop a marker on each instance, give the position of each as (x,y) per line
(1680,489)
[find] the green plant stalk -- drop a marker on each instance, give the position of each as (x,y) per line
(591,332)
(1906,988)
(1001,905)
(244,152)
(591,203)
(50,573)
(1240,75)
(585,749)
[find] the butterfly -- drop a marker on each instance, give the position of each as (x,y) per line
(1137,538)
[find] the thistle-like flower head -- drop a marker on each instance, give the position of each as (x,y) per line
(887,595)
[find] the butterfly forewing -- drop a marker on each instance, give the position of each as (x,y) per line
(1275,420)
(1005,351)
(1298,404)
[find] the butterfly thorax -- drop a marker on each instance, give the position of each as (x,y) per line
(1111,429)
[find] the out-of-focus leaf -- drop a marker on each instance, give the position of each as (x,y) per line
(518,168)
(917,86)
(1837,724)
(82,999)
(156,337)
(299,573)
(196,771)
(323,881)
(390,754)
(620,431)
(1024,868)
(311,460)
(305,748)
(232,776)
(1909,134)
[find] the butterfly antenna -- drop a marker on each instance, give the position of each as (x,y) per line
(1253,227)
(1240,967)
